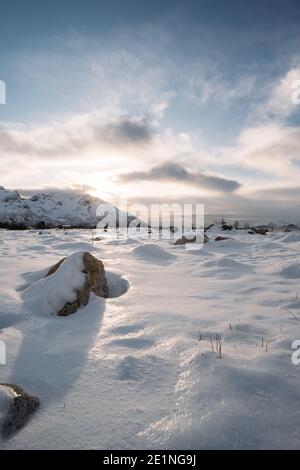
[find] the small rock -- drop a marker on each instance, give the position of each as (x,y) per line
(95,282)
(183,240)
(220,239)
(209,227)
(20,407)
(260,230)
(227,227)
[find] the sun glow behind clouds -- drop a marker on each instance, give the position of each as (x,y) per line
(101,186)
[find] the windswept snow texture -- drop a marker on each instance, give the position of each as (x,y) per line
(57,208)
(140,369)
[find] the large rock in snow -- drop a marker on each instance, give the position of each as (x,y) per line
(94,281)
(67,285)
(16,407)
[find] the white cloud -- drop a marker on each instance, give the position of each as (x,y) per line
(214,87)
(270,148)
(84,149)
(74,135)
(280,104)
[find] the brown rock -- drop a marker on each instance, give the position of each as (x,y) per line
(220,239)
(55,267)
(261,230)
(183,240)
(95,281)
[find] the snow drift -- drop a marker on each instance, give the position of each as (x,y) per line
(152,252)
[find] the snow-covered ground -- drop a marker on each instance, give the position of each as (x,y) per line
(137,370)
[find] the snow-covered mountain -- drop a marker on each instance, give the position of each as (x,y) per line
(54,209)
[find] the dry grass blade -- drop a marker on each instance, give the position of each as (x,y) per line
(293,314)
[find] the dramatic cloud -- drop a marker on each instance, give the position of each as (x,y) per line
(175,172)
(74,135)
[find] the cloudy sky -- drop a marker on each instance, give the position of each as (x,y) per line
(188,100)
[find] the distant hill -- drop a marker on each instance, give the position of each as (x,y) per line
(55,209)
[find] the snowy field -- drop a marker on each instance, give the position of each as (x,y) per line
(137,370)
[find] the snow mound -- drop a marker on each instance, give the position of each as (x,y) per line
(232,264)
(126,241)
(152,252)
(291,271)
(229,264)
(224,267)
(117,284)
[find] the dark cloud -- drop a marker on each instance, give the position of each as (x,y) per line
(128,131)
(175,172)
(71,138)
(280,194)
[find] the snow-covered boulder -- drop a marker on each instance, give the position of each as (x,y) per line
(67,285)
(16,407)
